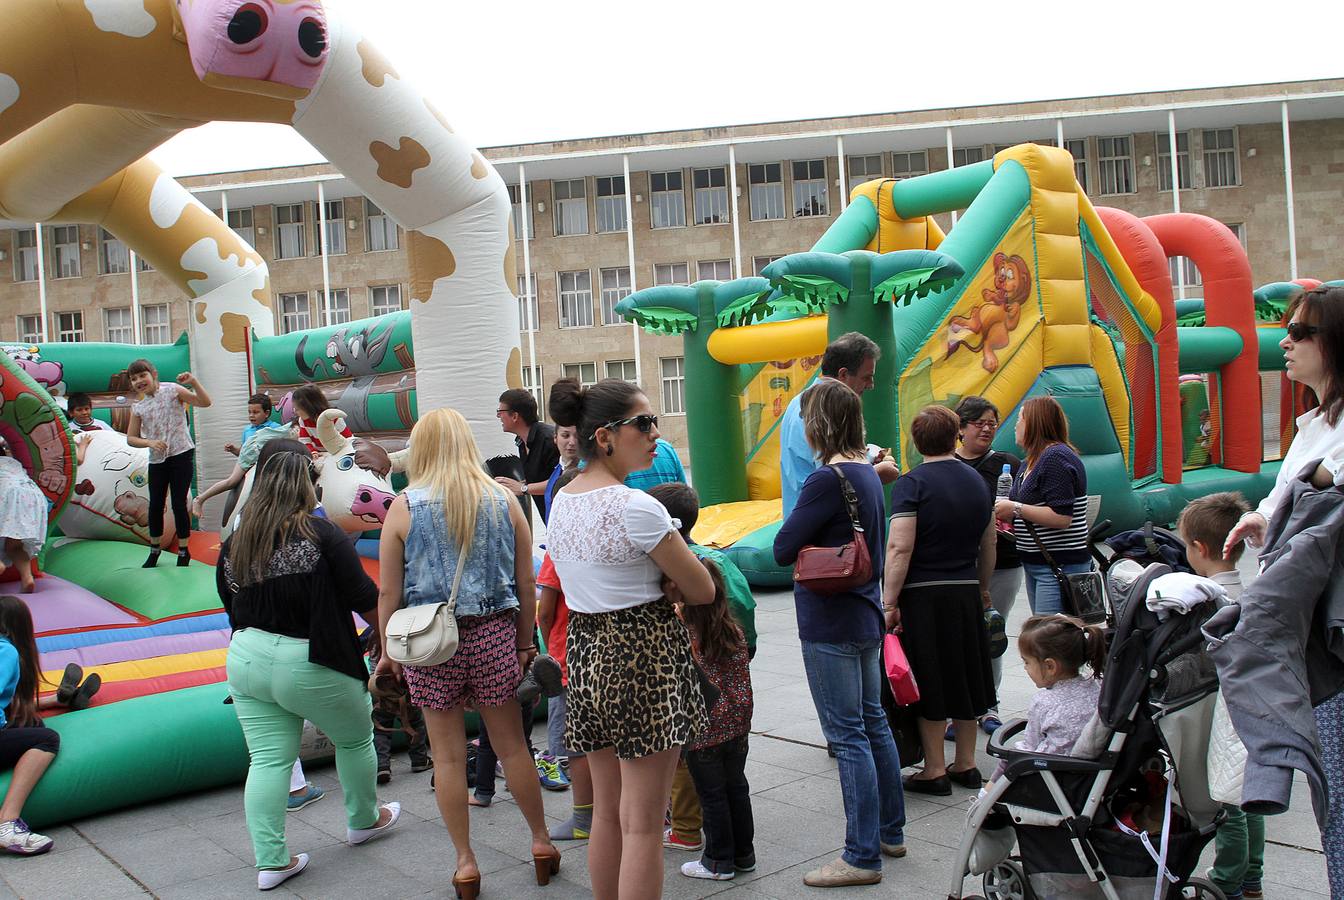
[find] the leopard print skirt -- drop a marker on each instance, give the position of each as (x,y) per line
(632,683)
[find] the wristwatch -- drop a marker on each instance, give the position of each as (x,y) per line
(1017,510)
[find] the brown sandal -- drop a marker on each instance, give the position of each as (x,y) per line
(467,888)
(547,865)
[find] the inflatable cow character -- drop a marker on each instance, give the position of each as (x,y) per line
(110,500)
(353,497)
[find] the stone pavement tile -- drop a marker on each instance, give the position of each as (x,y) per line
(423,851)
(815,793)
(135,820)
(943,828)
(6,893)
(762,777)
(206,804)
(803,729)
(230,832)
(352,872)
(1296,871)
(169,856)
(796,829)
(64,837)
(519,883)
(83,874)
(810,760)
(234,883)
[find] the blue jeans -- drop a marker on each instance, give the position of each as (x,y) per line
(1043,588)
(845,680)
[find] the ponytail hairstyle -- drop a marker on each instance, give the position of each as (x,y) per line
(589,408)
(715,633)
(1066,640)
(16,624)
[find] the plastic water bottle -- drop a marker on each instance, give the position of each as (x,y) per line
(1005,485)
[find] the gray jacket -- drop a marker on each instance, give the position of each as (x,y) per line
(1280,650)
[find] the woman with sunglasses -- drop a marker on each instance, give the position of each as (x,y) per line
(633,698)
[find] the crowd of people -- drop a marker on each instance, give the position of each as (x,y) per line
(648,636)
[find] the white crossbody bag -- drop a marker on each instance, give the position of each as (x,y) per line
(426,635)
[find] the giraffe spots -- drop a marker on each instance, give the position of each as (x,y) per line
(478,167)
(513,369)
(200,314)
(121,17)
(434,111)
(510,260)
(9,92)
(431,259)
(235,329)
(397,165)
(376,69)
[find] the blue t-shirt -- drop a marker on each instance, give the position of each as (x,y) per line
(253,429)
(666,468)
(796,457)
(819,519)
(9,676)
(951,507)
(550,491)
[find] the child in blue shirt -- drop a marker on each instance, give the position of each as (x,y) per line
(258,420)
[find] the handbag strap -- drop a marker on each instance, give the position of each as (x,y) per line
(1049,560)
(457,576)
(851,498)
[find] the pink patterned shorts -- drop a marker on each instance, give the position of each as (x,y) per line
(483,672)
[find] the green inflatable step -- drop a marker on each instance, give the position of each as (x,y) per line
(111,569)
(755,556)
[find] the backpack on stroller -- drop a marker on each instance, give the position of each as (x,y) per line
(1128,814)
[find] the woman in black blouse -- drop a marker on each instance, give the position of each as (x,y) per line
(289,582)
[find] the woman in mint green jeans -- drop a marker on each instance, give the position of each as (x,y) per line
(289,582)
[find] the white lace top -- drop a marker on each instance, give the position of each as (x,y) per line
(599,542)
(163,417)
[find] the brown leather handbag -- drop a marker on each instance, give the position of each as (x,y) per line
(833,570)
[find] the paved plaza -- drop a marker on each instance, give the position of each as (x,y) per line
(197,846)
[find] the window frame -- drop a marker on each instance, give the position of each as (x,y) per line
(574,297)
(579,366)
(65,252)
(515,199)
(146,324)
(108,243)
(76,329)
(335,228)
(385,288)
(535,383)
(373,214)
(867,176)
(623,290)
(128,326)
(713,194)
(610,204)
(655,195)
(248,232)
(1232,153)
(810,183)
(1103,160)
(28,335)
(965,153)
(1078,161)
(285,316)
(676,382)
(1185,173)
(771,192)
(757,264)
(623,363)
(672,267)
(25,256)
(907,155)
(570,202)
(524,296)
(335,312)
(714,276)
(295,230)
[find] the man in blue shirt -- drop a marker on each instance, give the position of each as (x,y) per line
(666,468)
(850,359)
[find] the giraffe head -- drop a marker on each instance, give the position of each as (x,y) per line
(271,47)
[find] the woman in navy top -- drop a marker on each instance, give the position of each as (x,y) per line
(842,638)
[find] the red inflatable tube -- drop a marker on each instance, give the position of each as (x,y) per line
(125,690)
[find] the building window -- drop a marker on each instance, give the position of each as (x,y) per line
(623,369)
(336,310)
(760,262)
(154,324)
(69,327)
(289,231)
(25,255)
(576,299)
(527,303)
(117,325)
(533,383)
(335,229)
(294,312)
(65,252)
(380,232)
(240,220)
(714,270)
(113,257)
(610,203)
(864,168)
(1220,158)
(711,195)
(1164,160)
(809,187)
(967,156)
(766,186)
(586,373)
(520,215)
(674,384)
(571,206)
(1078,150)
(1192,276)
(1239,230)
(1115,165)
(909,164)
(667,200)
(384,299)
(30,329)
(671,273)
(615,288)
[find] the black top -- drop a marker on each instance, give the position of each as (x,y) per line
(540,457)
(820,520)
(309,592)
(1059,481)
(990,466)
(951,509)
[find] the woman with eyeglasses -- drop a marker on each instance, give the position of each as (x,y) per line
(634,698)
(289,582)
(979,420)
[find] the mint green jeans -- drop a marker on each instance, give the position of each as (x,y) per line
(274,689)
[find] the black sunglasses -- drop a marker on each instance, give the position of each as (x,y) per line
(1300,331)
(644,423)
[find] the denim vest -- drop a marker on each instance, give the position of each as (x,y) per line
(431,557)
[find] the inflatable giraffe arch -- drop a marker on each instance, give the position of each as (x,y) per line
(88,87)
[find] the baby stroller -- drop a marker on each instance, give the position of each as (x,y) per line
(1133,801)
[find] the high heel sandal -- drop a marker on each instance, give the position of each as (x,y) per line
(546,865)
(467,888)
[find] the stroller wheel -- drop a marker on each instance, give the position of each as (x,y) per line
(1200,889)
(1007,881)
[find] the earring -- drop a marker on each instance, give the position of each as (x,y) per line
(610,449)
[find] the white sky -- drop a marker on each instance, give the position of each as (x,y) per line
(513,72)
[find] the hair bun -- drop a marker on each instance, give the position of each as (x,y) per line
(566,403)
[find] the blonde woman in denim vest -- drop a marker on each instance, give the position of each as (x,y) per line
(451,502)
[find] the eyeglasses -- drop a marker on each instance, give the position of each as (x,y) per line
(500,412)
(1300,331)
(983,424)
(644,423)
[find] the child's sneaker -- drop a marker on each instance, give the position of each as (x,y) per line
(696,869)
(672,842)
(311,794)
(542,679)
(15,837)
(1252,890)
(553,778)
(421,765)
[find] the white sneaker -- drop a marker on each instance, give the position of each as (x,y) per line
(696,869)
(355,836)
(15,837)
(269,879)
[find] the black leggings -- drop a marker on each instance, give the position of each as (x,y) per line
(172,475)
(14,742)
